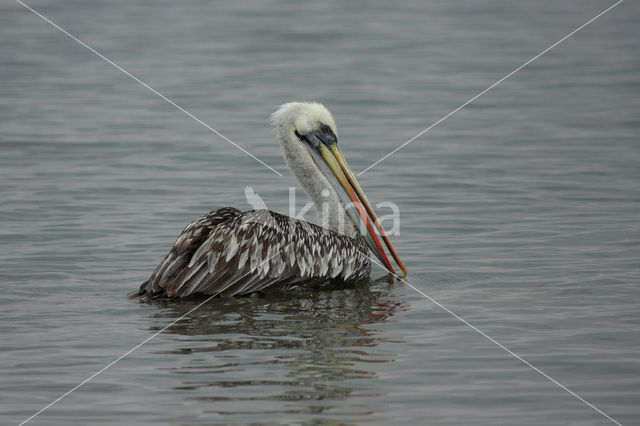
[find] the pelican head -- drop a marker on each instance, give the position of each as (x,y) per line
(309,141)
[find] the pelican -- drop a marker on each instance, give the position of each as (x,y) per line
(228,252)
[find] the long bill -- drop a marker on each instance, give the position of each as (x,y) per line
(336,161)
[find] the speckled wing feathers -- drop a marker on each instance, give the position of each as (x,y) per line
(231,252)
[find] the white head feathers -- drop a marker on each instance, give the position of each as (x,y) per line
(302,117)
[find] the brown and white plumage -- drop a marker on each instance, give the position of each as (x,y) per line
(229,252)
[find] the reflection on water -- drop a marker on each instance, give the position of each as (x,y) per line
(303,349)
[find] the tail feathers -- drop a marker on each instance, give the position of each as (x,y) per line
(140,292)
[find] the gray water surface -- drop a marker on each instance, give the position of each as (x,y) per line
(520,213)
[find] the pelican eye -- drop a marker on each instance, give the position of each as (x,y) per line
(325,129)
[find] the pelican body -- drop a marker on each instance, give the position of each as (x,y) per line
(229,252)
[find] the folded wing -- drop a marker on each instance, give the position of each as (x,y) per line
(229,252)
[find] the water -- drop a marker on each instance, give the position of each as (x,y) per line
(519,213)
